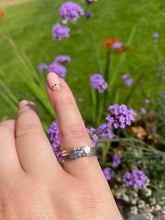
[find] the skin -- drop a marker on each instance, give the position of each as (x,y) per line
(33,185)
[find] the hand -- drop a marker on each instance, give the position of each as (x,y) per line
(33,185)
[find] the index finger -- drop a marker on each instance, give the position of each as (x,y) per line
(71,127)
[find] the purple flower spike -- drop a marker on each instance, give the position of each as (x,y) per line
(116,160)
(63,59)
(126,76)
(70,11)
(103,131)
(59,32)
(128,179)
(98,83)
(107,174)
(42,67)
(162,93)
(156,154)
(57,68)
(155,35)
(120,116)
(116,45)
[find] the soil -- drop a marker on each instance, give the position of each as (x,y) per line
(6,3)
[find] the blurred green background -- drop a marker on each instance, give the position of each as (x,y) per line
(30,25)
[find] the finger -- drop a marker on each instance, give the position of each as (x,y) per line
(71,126)
(32,145)
(9,162)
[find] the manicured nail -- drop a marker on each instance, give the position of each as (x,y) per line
(23,103)
(53,81)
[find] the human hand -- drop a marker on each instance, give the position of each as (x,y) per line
(33,185)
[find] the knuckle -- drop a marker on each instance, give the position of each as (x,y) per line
(28,130)
(73,131)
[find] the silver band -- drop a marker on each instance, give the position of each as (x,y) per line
(78,152)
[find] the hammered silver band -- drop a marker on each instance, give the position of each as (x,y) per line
(77,152)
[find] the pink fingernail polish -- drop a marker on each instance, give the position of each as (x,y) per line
(23,103)
(53,81)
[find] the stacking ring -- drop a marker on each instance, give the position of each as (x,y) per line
(77,152)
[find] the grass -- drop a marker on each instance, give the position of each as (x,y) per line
(30,25)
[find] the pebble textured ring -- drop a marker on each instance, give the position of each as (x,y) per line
(77,152)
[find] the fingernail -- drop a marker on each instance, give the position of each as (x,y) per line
(53,81)
(23,103)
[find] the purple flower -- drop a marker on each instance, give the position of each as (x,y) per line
(98,83)
(147,101)
(70,11)
(162,93)
(93,136)
(116,160)
(63,59)
(103,131)
(152,129)
(138,177)
(88,14)
(155,35)
(53,134)
(116,45)
(57,68)
(129,82)
(126,76)
(160,69)
(59,31)
(156,154)
(89,1)
(143,111)
(128,179)
(120,116)
(42,67)
(107,174)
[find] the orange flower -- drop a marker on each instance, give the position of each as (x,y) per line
(120,51)
(2,14)
(107,43)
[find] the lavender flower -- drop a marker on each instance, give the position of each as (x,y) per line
(120,116)
(155,35)
(53,134)
(98,83)
(59,32)
(88,14)
(70,11)
(57,68)
(93,136)
(160,69)
(147,101)
(128,179)
(107,174)
(63,59)
(89,1)
(143,111)
(42,67)
(116,45)
(138,177)
(152,129)
(116,160)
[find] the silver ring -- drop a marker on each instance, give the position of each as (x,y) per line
(78,152)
